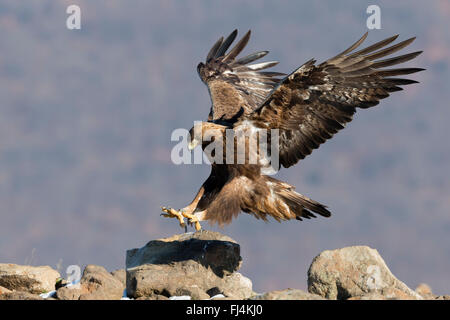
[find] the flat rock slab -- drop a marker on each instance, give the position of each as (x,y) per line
(287,294)
(198,265)
(28,278)
(355,272)
(211,249)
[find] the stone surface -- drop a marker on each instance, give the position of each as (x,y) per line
(98,284)
(369,296)
(20,295)
(287,294)
(385,294)
(4,290)
(354,272)
(120,275)
(425,291)
(236,286)
(153,297)
(190,264)
(28,278)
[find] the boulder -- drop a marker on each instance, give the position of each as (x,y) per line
(191,264)
(98,284)
(4,290)
(121,275)
(287,294)
(28,278)
(425,291)
(69,293)
(354,272)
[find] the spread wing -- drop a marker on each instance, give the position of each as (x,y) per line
(315,102)
(236,84)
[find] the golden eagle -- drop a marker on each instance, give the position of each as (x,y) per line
(307,107)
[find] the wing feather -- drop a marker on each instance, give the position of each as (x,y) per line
(233,83)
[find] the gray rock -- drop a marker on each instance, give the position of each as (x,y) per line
(120,275)
(190,264)
(4,290)
(211,249)
(98,284)
(153,297)
(425,291)
(354,272)
(287,294)
(385,294)
(28,278)
(236,286)
(69,293)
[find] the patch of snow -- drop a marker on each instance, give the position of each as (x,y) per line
(48,294)
(180,298)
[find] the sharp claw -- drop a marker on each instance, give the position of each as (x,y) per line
(172,213)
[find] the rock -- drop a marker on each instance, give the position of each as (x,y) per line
(153,297)
(425,291)
(189,264)
(236,286)
(385,294)
(4,290)
(120,275)
(444,297)
(369,296)
(28,278)
(354,272)
(211,249)
(98,284)
(287,294)
(69,293)
(20,295)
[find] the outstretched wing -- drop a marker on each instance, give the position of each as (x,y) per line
(236,84)
(315,102)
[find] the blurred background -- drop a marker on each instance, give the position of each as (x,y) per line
(86,117)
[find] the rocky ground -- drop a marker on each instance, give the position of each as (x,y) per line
(204,265)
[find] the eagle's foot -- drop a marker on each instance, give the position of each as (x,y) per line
(192,219)
(172,213)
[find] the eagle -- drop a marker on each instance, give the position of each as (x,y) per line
(306,107)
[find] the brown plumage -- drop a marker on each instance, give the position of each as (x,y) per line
(308,107)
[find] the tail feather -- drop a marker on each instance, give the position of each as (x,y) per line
(298,204)
(302,205)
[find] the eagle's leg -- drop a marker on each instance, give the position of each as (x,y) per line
(172,213)
(188,211)
(191,207)
(195,219)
